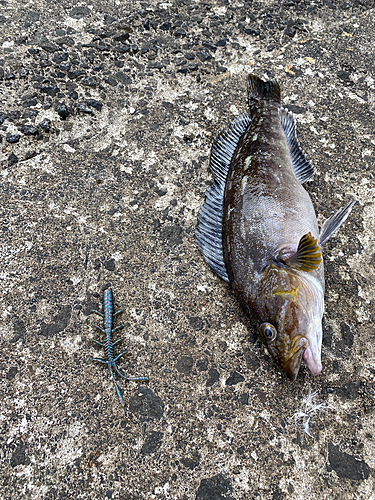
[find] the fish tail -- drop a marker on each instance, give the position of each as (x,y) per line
(260,91)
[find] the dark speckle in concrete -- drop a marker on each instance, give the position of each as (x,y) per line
(28,130)
(82,107)
(146,404)
(234,378)
(346,466)
(62,111)
(45,125)
(12,138)
(11,372)
(172,235)
(215,488)
(202,364)
(94,104)
(244,398)
(152,442)
(19,330)
(191,461)
(252,361)
(349,390)
(79,12)
(110,264)
(59,323)
(184,365)
(19,456)
(347,334)
(295,109)
(12,159)
(213,376)
(196,323)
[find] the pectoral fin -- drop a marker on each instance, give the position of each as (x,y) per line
(332,224)
(308,256)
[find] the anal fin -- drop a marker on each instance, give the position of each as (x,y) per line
(333,223)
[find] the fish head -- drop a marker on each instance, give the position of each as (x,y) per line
(291,325)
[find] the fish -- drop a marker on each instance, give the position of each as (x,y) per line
(258,230)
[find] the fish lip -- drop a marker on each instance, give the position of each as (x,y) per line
(315,366)
(294,360)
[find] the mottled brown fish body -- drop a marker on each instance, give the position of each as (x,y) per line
(267,210)
(265,207)
(258,229)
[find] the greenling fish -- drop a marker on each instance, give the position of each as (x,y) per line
(258,230)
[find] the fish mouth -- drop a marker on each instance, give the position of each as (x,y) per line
(294,360)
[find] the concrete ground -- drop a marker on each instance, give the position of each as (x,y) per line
(108,111)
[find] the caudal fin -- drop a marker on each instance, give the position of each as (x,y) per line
(260,91)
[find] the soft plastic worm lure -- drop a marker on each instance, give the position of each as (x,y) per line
(108,345)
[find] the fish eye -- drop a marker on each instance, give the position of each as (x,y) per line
(269,331)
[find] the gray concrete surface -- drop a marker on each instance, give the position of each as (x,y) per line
(107,191)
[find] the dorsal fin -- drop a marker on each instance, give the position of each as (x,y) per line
(224,146)
(332,224)
(210,220)
(302,167)
(308,256)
